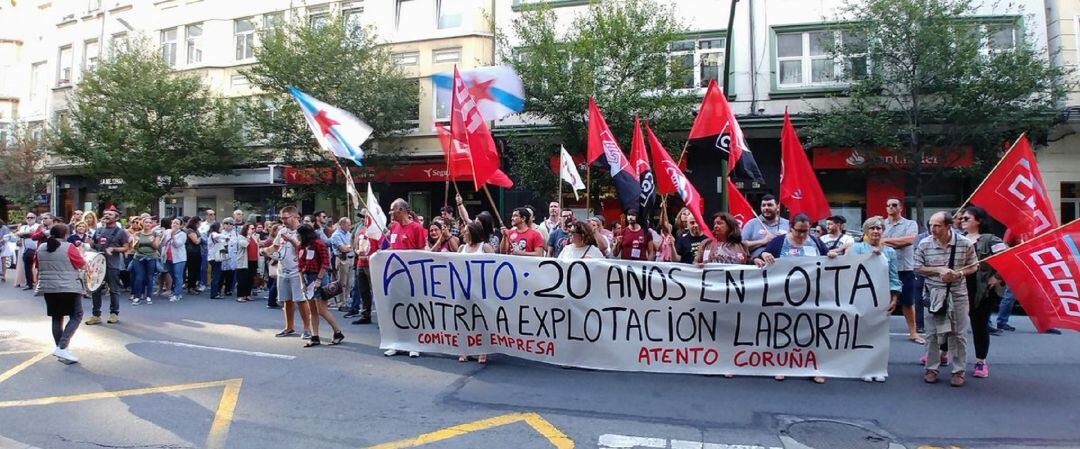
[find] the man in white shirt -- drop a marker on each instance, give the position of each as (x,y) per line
(552,222)
(29,247)
(837,239)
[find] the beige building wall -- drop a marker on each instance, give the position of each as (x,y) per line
(1060,160)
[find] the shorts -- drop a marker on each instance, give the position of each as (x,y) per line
(907,292)
(289,288)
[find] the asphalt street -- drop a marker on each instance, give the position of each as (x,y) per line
(203,373)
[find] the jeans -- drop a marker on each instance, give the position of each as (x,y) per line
(362,303)
(28,265)
(142,269)
(1006,307)
(271,292)
(112,280)
(177,270)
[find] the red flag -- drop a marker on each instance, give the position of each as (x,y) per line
(639,159)
(471,134)
(673,180)
(460,165)
(739,208)
(602,142)
(1015,195)
(799,188)
(716,129)
(1044,273)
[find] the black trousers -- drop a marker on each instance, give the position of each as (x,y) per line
(191,276)
(980,326)
(362,304)
(245,277)
(112,279)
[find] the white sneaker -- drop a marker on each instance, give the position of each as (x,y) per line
(390,352)
(414,354)
(149,301)
(173,298)
(56,352)
(867,379)
(880,378)
(135,301)
(67,356)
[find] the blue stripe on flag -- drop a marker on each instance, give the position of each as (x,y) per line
(1072,245)
(500,96)
(355,154)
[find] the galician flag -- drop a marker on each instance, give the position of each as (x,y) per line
(337,131)
(376,219)
(568,171)
(497,90)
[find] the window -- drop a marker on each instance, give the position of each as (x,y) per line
(193,38)
(244,35)
(414,117)
(407,9)
(1070,201)
(168,46)
(318,17)
(118,43)
(7,134)
(37,80)
(91,51)
(449,13)
(809,58)
(351,15)
(63,68)
(446,55)
(702,58)
(273,22)
(239,81)
(405,59)
(443,101)
(1000,37)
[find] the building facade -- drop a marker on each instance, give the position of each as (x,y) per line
(1060,160)
(778,62)
(46,45)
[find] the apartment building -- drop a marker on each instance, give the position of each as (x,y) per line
(46,45)
(1060,161)
(778,62)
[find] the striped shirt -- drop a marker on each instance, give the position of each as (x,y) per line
(930,253)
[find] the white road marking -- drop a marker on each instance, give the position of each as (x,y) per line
(614,441)
(234,351)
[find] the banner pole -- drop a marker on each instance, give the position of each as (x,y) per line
(973,192)
(588,188)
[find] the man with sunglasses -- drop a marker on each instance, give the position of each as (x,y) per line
(900,234)
(560,234)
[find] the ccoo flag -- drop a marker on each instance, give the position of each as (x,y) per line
(337,131)
(672,179)
(568,171)
(602,142)
(1015,195)
(1044,273)
(715,129)
(799,187)
(498,90)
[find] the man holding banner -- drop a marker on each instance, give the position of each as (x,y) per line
(945,259)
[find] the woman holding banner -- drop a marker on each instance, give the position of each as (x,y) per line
(728,247)
(984,285)
(873,228)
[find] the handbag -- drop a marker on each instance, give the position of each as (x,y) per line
(329,290)
(939,304)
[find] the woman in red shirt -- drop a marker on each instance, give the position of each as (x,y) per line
(314,261)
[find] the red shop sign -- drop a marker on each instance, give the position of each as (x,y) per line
(849,158)
(308,175)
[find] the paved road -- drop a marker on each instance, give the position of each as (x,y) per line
(203,373)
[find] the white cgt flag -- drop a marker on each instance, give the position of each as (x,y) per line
(568,171)
(376,219)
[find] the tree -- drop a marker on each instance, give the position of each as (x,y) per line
(616,52)
(134,119)
(340,64)
(22,160)
(935,79)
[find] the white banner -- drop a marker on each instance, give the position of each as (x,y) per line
(798,317)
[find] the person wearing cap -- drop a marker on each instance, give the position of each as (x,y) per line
(112,241)
(836,239)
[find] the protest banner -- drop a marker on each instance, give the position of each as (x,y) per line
(797,317)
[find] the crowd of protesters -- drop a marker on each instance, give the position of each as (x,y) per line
(316,266)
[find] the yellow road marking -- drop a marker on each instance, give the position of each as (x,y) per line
(24,365)
(538,423)
(219,430)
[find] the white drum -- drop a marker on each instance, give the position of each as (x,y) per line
(94,272)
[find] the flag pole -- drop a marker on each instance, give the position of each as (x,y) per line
(559,178)
(973,192)
(1017,246)
(494,207)
(588,188)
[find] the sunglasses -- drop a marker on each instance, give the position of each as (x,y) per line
(892,205)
